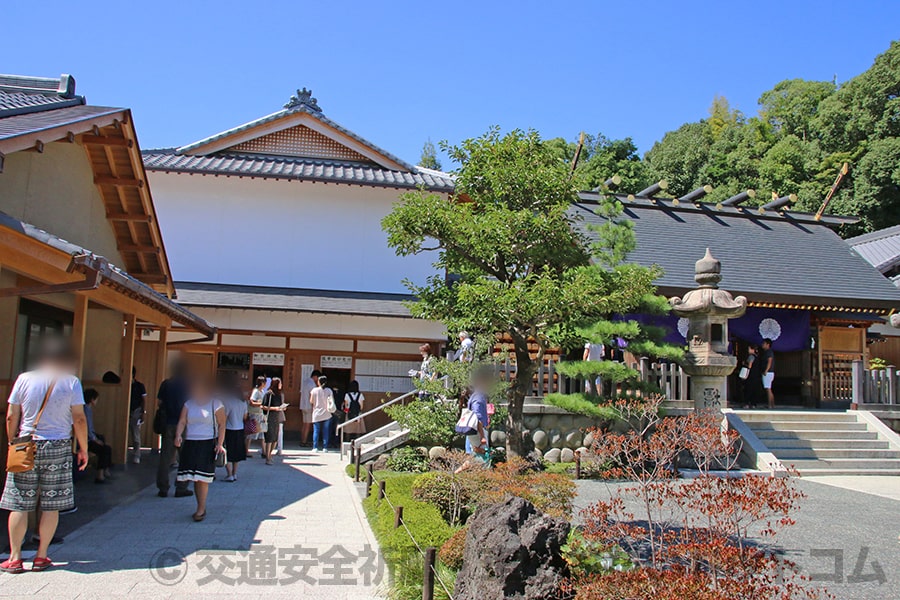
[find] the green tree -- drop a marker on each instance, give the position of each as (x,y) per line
(876,186)
(722,117)
(524,268)
(791,106)
(679,157)
(429,158)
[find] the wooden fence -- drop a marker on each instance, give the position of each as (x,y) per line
(670,378)
(875,386)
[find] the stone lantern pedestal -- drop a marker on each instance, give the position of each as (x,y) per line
(708,309)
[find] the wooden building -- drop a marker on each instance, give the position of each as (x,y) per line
(81,253)
(274,232)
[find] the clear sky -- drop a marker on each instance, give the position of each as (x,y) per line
(400,72)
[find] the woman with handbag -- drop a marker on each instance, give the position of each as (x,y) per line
(750,375)
(200,435)
(323,406)
(235,417)
(44,406)
(271,406)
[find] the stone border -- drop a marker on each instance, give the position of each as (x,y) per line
(878,425)
(756,451)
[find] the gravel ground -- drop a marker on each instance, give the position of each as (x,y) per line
(847,540)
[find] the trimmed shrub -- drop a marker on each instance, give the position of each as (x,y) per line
(430,422)
(450,493)
(407,460)
(451,553)
(549,492)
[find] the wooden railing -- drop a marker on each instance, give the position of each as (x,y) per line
(670,378)
(875,386)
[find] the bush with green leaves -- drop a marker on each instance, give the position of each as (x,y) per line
(407,459)
(453,494)
(430,422)
(590,557)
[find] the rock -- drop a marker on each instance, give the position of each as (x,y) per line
(588,439)
(512,551)
(566,422)
(573,439)
(534,461)
(556,438)
(380,463)
(531,421)
(552,455)
(540,439)
(567,455)
(584,451)
(436,452)
(498,438)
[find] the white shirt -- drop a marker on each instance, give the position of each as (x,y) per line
(466,351)
(56,421)
(306,387)
(319,400)
(235,409)
(595,351)
(200,418)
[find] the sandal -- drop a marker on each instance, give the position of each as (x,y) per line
(12,566)
(199,517)
(41,564)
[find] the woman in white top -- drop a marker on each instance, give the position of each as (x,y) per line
(200,435)
(322,401)
(353,406)
(235,416)
(255,410)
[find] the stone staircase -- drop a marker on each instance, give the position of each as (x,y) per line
(377,442)
(827,443)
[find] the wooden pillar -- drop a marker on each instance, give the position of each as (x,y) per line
(162,371)
(79,329)
(120,436)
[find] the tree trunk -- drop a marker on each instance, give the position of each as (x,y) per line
(515,442)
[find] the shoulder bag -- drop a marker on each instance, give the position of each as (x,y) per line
(330,406)
(467,423)
(22,449)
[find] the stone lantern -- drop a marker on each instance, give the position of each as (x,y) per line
(708,309)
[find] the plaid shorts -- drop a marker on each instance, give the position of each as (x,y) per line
(51,479)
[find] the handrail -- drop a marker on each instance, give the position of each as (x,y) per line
(378,408)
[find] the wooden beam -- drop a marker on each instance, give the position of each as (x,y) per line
(117,181)
(139,249)
(118,216)
(103,140)
(39,146)
(27,140)
(151,279)
(79,329)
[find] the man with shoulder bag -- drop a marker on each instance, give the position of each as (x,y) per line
(45,405)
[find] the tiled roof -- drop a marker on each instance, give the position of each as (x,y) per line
(22,124)
(116,277)
(306,169)
(188,149)
(21,95)
(768,258)
(881,248)
(292,299)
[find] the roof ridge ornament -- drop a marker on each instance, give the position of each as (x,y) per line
(303,98)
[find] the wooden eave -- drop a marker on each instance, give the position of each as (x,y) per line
(293,119)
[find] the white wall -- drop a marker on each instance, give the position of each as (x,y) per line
(280,233)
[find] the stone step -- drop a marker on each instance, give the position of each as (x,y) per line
(792,442)
(843,464)
(789,454)
(828,472)
(755,416)
(833,434)
(802,425)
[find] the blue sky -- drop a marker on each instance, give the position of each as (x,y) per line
(400,72)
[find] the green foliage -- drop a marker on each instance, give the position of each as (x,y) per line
(407,459)
(429,158)
(451,553)
(582,404)
(877,364)
(524,269)
(453,494)
(587,556)
(430,421)
(424,522)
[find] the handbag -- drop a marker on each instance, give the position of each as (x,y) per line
(251,426)
(22,449)
(221,457)
(467,423)
(159,421)
(744,373)
(330,406)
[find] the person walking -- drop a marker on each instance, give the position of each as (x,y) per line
(306,388)
(96,443)
(271,406)
(354,400)
(466,352)
(594,352)
(138,408)
(322,401)
(257,416)
(477,443)
(46,404)
(236,415)
(767,366)
(200,434)
(172,395)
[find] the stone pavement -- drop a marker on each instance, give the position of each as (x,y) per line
(280,531)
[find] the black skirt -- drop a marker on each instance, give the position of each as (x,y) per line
(235,445)
(197,461)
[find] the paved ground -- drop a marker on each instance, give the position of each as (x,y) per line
(280,531)
(846,539)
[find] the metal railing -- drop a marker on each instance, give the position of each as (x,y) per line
(377,409)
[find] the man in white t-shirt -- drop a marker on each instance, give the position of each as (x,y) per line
(594,352)
(466,352)
(50,481)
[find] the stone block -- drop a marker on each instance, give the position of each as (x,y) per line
(552,455)
(498,439)
(436,451)
(541,439)
(573,439)
(567,455)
